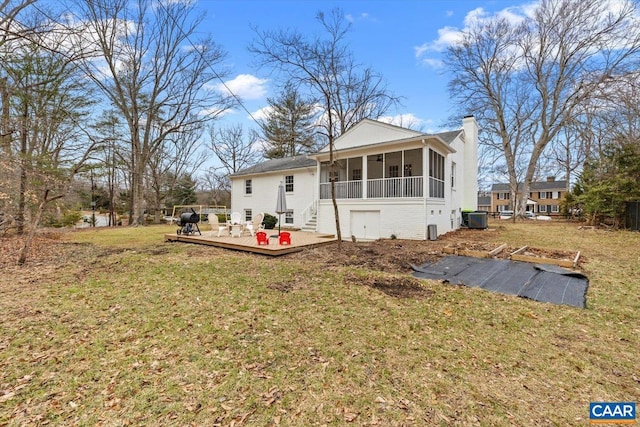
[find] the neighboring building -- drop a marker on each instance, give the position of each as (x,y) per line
(389,181)
(484,202)
(543,199)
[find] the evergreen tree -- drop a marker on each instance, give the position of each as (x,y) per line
(184,191)
(288,129)
(606,184)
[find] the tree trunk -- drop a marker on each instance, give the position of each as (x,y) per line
(137,194)
(5,133)
(34,226)
(22,202)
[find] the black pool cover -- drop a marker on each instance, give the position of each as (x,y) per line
(540,282)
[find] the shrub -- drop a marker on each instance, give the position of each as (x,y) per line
(269,221)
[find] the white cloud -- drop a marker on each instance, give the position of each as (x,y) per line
(262,113)
(364,16)
(448,36)
(404,120)
(245,86)
(436,64)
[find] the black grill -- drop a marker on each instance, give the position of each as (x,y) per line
(189,223)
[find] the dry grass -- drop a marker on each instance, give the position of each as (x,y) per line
(128,330)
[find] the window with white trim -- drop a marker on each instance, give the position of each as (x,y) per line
(436,175)
(288,217)
(542,208)
(504,196)
(288,183)
(248,216)
(453,174)
(554,209)
(247,186)
(394,171)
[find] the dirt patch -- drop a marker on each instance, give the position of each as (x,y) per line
(399,287)
(391,255)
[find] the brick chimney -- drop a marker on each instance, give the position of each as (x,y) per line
(551,179)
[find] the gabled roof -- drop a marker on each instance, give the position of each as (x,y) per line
(449,136)
(484,201)
(274,165)
(368,132)
(365,133)
(541,185)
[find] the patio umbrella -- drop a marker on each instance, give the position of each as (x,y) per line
(281,204)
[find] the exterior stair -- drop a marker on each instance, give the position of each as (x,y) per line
(311,225)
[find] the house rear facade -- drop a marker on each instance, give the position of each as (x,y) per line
(389,181)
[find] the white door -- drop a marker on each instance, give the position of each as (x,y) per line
(365,225)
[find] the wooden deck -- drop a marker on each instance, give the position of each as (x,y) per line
(248,243)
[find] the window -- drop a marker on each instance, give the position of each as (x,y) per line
(504,196)
(288,217)
(542,195)
(247,215)
(554,208)
(436,175)
(453,174)
(247,186)
(394,171)
(288,183)
(356,175)
(542,208)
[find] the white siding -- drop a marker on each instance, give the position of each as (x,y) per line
(404,218)
(371,132)
(265,191)
(469,147)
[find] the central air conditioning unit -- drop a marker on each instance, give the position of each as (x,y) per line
(477,220)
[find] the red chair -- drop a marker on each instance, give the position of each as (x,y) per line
(262,238)
(285,238)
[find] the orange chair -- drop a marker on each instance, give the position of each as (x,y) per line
(262,238)
(285,238)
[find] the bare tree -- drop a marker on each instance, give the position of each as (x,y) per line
(147,66)
(179,157)
(527,82)
(9,31)
(347,91)
(50,100)
(234,150)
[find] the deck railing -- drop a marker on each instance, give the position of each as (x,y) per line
(309,212)
(376,188)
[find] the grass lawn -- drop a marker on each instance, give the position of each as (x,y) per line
(121,328)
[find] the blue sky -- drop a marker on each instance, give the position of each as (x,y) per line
(403,40)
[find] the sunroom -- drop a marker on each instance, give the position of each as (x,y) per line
(415,172)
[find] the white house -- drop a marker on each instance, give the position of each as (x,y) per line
(389,181)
